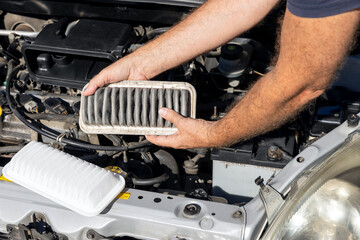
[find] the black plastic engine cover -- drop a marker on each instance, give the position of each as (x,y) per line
(71,60)
(255,151)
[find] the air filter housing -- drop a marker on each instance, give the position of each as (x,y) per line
(81,186)
(131,107)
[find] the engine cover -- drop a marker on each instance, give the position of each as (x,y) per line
(70,56)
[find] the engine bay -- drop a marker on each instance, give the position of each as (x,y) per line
(45,63)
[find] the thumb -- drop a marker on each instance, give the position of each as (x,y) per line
(170,115)
(96,82)
(90,89)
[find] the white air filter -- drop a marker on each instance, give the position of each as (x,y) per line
(131,107)
(65,179)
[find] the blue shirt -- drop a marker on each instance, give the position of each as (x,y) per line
(321,8)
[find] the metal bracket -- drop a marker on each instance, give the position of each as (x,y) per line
(92,234)
(37,229)
(271,199)
(62,135)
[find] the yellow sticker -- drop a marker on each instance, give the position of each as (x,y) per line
(2,178)
(124,195)
(0,111)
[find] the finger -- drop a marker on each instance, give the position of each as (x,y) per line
(95,83)
(170,115)
(165,141)
(90,89)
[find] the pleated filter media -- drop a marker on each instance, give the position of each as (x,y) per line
(131,107)
(81,186)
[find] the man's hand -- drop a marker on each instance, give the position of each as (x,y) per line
(192,133)
(123,69)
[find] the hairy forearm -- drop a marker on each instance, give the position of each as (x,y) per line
(213,24)
(311,52)
(267,106)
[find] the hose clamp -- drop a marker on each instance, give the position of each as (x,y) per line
(61,136)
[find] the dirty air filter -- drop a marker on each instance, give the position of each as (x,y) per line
(131,107)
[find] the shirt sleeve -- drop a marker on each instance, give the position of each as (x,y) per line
(321,8)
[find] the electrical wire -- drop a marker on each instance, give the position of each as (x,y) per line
(54,135)
(258,73)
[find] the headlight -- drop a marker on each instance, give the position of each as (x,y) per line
(325,202)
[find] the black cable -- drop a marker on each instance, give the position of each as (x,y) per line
(10,66)
(55,135)
(203,68)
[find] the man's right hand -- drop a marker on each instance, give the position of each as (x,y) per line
(123,69)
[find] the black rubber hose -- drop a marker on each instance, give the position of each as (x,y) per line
(150,181)
(54,135)
(167,160)
(10,66)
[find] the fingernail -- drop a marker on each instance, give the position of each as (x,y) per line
(162,112)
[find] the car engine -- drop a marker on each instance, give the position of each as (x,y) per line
(46,61)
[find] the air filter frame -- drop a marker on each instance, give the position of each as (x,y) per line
(167,129)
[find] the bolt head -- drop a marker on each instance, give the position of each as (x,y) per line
(259,181)
(300,159)
(353,120)
(90,235)
(237,214)
(192,210)
(273,148)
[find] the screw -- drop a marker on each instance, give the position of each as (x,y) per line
(273,148)
(90,235)
(260,182)
(38,217)
(274,153)
(300,159)
(237,214)
(215,115)
(353,120)
(192,209)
